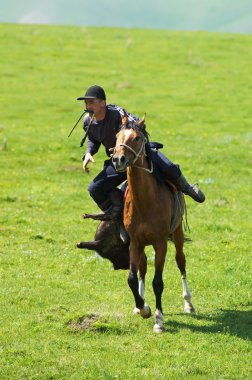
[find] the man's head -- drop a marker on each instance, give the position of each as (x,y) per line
(95,100)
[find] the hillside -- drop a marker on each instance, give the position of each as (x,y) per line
(212,15)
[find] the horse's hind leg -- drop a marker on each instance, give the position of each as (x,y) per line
(158,285)
(178,236)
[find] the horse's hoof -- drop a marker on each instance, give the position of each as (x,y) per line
(81,244)
(189,309)
(158,329)
(145,312)
(84,216)
(136,311)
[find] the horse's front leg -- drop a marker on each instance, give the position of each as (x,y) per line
(158,285)
(141,285)
(136,287)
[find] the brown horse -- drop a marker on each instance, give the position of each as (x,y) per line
(148,219)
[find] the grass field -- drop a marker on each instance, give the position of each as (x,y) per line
(65,314)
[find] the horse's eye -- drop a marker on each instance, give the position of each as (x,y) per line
(137,138)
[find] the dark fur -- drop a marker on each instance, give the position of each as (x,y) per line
(107,244)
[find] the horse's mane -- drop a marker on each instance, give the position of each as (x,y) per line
(133,125)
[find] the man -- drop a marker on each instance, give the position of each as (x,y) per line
(102,130)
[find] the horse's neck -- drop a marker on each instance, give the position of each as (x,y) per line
(141,186)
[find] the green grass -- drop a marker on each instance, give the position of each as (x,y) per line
(65,314)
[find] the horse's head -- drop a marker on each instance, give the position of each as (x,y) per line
(130,144)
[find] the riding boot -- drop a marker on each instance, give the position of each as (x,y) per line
(192,190)
(113,207)
(104,206)
(116,197)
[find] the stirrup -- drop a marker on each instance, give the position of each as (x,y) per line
(123,234)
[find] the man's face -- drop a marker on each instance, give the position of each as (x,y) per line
(98,106)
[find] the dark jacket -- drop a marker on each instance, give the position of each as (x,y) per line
(104,131)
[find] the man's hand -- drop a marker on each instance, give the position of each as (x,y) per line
(88,158)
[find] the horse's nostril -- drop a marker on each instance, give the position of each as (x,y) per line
(122,159)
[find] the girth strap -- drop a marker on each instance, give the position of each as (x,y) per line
(178,208)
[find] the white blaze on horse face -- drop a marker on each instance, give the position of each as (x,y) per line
(129,136)
(127,133)
(123,137)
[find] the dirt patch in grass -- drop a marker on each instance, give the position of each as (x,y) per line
(83,323)
(95,323)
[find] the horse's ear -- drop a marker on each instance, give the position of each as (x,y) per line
(141,122)
(124,119)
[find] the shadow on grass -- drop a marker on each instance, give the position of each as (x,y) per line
(232,322)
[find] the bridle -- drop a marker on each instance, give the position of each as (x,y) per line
(140,154)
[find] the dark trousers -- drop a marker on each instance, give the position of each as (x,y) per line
(108,179)
(167,168)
